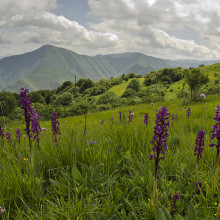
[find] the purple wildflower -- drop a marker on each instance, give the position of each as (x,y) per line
(35,127)
(202,95)
(123,117)
(1,210)
(9,137)
(102,121)
(120,116)
(27,108)
(160,144)
(146,118)
(89,113)
(91,142)
(174,117)
(216,134)
(184,102)
(160,136)
(188,112)
(2,133)
(112,119)
(174,198)
(216,130)
(130,116)
(200,143)
(18,134)
(55,126)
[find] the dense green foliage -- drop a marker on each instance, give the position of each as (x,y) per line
(195,79)
(129,89)
(111,178)
(48,67)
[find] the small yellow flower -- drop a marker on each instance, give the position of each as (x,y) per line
(25,158)
(86,149)
(215,203)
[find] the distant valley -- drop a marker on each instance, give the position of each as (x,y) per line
(49,66)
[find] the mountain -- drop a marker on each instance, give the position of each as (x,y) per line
(48,67)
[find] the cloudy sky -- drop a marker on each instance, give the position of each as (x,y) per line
(170,29)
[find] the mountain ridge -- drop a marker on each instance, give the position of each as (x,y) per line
(48,67)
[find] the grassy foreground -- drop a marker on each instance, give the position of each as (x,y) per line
(111,178)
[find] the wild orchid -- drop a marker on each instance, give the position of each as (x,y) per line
(216,135)
(55,126)
(27,111)
(160,143)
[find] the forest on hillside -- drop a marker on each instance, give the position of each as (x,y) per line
(86,95)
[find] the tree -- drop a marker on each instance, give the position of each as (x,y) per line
(109,98)
(195,79)
(129,93)
(134,84)
(8,103)
(88,83)
(64,85)
(65,99)
(37,97)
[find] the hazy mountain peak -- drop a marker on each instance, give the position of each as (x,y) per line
(48,67)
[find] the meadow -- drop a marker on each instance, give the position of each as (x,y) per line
(104,171)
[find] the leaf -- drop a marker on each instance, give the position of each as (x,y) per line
(191,212)
(76,174)
(129,216)
(166,213)
(179,217)
(159,214)
(96,173)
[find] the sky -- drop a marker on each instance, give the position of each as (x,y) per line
(168,29)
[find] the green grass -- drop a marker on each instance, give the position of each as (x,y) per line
(113,178)
(119,89)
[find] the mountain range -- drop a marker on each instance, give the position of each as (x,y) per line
(49,66)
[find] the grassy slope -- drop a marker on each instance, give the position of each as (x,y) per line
(177,86)
(114,176)
(119,89)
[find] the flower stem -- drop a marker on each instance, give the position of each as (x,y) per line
(216,170)
(155,192)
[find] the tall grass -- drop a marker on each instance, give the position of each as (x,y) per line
(112,178)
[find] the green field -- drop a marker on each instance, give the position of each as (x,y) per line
(112,178)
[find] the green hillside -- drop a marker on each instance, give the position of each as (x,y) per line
(48,67)
(171,91)
(105,171)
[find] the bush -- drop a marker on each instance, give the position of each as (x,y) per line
(79,108)
(8,103)
(65,99)
(103,107)
(129,93)
(109,98)
(64,85)
(37,97)
(133,101)
(88,83)
(134,84)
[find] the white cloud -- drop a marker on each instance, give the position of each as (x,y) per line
(29,24)
(138,28)
(123,25)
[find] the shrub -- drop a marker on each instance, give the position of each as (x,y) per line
(134,84)
(65,99)
(64,85)
(129,93)
(109,98)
